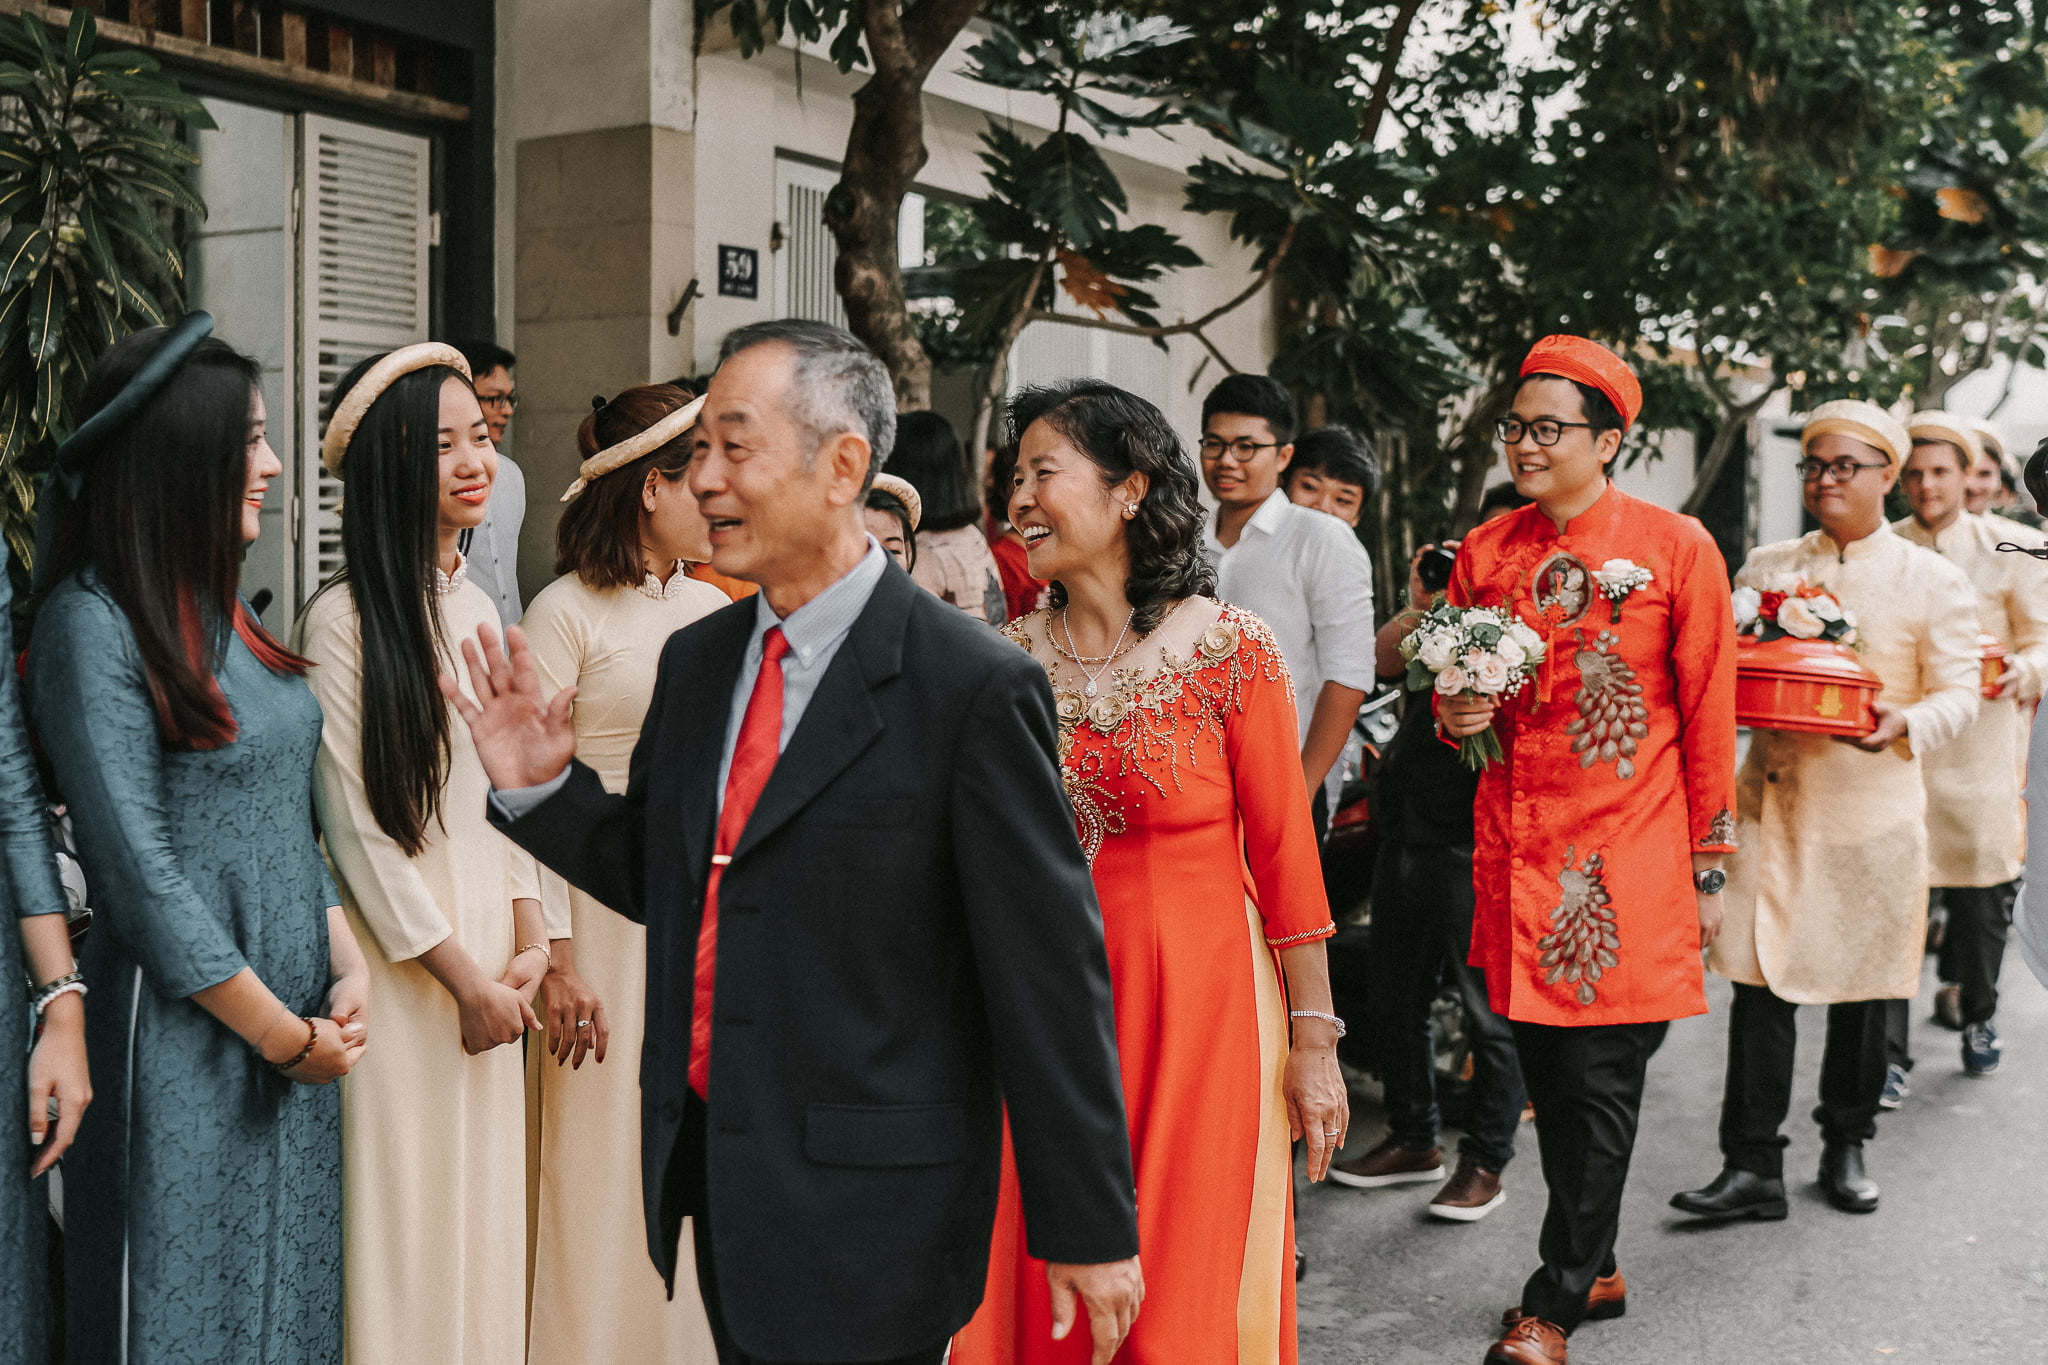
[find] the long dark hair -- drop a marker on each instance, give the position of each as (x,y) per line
(390,541)
(161,522)
(598,537)
(1123,434)
(927,453)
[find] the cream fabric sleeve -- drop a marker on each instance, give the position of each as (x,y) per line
(558,630)
(383,884)
(1949,663)
(2026,607)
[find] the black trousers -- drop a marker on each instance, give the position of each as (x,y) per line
(1421,934)
(1972,954)
(687,1162)
(1762,1036)
(1587,1084)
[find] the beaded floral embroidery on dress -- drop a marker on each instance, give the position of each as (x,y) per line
(651,586)
(1721,831)
(445,583)
(1139,714)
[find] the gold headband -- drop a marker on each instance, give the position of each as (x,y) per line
(901,490)
(1859,421)
(633,447)
(382,375)
(1935,425)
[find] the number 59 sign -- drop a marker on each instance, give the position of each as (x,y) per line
(739,272)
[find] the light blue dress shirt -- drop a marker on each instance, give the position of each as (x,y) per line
(815,632)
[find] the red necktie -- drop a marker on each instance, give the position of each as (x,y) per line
(753,758)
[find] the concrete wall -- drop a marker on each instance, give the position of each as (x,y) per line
(622,166)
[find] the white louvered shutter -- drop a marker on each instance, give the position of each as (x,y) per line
(803,265)
(363,279)
(1049,351)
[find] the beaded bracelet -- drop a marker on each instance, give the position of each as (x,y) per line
(71,983)
(543,949)
(1318,1014)
(312,1037)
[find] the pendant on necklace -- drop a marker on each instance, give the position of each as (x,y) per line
(1089,690)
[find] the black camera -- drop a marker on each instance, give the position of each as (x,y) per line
(1434,567)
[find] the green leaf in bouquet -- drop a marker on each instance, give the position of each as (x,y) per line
(1419,679)
(1485,634)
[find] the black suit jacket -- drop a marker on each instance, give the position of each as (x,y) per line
(908,938)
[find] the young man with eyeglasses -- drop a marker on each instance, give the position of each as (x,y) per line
(1598,838)
(1974,826)
(492,549)
(1301,571)
(1827,895)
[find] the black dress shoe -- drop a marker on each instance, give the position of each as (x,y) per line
(1300,1263)
(1735,1194)
(1843,1180)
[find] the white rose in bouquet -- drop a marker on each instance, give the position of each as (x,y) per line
(1747,603)
(1489,672)
(1511,653)
(1799,620)
(1825,607)
(1528,639)
(1437,650)
(1780,582)
(1451,680)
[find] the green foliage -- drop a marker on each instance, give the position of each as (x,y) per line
(85,170)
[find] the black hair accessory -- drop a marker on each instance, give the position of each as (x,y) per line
(2037,476)
(66,480)
(598,402)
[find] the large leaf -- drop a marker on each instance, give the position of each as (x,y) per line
(47,308)
(170,188)
(13,313)
(134,300)
(1070,186)
(992,293)
(23,252)
(19,201)
(97,241)
(78,41)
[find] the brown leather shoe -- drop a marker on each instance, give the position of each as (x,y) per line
(1469,1195)
(1608,1298)
(1528,1341)
(1389,1164)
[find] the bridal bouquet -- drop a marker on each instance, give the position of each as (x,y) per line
(1472,652)
(1784,604)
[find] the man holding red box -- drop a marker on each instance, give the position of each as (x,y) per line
(1827,893)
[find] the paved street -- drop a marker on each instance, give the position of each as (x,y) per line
(1951,1270)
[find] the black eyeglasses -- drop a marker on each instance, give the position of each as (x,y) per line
(2037,551)
(1544,431)
(1243,450)
(1843,469)
(507,401)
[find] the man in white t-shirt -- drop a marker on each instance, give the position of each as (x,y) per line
(1299,570)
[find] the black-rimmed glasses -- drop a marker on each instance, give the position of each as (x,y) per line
(507,401)
(1243,450)
(1842,470)
(1544,431)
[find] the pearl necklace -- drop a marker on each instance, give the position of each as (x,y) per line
(1071,652)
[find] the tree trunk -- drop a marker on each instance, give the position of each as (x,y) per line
(884,152)
(1733,421)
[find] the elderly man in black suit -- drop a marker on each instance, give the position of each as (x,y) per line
(869,925)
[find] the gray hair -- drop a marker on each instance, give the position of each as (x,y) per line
(837,384)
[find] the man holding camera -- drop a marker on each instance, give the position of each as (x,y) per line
(1421,933)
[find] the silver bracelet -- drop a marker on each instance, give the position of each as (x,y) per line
(1318,1014)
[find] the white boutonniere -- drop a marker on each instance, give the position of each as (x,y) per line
(1618,578)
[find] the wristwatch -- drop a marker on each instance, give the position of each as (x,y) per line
(1710,881)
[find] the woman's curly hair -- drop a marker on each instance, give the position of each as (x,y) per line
(1123,434)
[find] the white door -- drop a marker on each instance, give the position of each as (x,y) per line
(803,263)
(363,275)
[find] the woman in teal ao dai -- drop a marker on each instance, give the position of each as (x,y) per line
(203,1197)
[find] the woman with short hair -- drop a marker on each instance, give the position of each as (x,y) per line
(434,1128)
(203,1202)
(626,529)
(1178,744)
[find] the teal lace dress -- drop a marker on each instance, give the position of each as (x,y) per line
(28,886)
(203,1198)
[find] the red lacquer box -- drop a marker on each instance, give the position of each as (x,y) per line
(1993,668)
(1813,686)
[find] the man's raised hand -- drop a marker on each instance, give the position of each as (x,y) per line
(523,738)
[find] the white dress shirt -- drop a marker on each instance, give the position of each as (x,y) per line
(1305,575)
